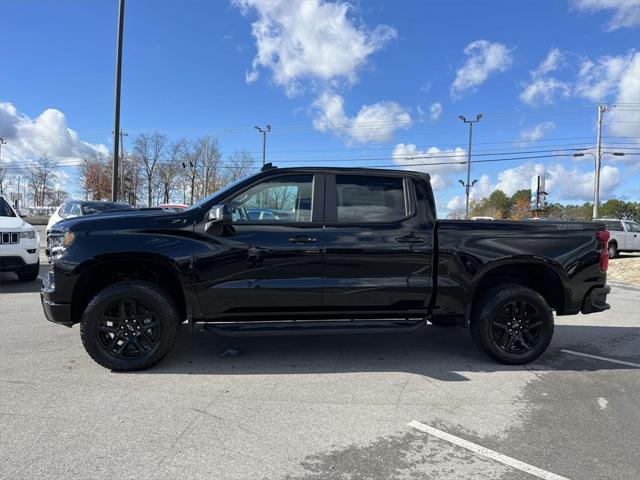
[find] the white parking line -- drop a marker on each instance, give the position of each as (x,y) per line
(604,359)
(512,462)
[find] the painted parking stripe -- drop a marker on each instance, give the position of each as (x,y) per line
(604,359)
(512,462)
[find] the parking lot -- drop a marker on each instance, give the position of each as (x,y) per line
(325,407)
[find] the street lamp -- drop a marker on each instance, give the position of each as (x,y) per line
(468,185)
(264,141)
(596,177)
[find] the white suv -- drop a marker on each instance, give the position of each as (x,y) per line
(19,244)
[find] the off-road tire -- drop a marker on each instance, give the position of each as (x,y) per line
(485,319)
(164,310)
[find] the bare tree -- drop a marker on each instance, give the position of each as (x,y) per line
(5,180)
(168,171)
(41,179)
(148,150)
(238,165)
(191,166)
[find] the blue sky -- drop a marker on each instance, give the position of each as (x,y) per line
(360,83)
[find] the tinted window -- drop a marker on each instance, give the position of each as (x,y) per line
(370,198)
(613,225)
(281,199)
(5,209)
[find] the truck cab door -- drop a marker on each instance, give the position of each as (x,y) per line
(378,245)
(633,236)
(268,258)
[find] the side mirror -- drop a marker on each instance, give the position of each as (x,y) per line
(23,212)
(218,214)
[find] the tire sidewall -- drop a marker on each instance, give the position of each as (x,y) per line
(144,292)
(612,250)
(496,300)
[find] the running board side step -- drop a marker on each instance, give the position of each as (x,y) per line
(328,327)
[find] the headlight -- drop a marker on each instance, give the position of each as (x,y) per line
(68,239)
(28,234)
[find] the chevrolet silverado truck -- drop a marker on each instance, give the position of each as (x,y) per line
(318,250)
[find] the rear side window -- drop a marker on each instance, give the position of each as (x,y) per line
(613,226)
(362,198)
(633,227)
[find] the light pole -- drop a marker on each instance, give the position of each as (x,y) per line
(116,122)
(264,142)
(468,185)
(2,142)
(596,177)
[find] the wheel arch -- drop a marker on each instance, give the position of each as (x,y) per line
(540,276)
(98,274)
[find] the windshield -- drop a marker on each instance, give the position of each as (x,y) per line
(5,209)
(219,192)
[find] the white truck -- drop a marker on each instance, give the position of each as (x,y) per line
(625,235)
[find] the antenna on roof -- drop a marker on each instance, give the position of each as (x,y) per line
(267,166)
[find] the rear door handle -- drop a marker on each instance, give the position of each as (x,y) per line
(410,239)
(303,239)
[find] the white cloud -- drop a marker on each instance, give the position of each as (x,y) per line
(543,88)
(435,111)
(483,59)
(614,78)
(600,79)
(536,132)
(312,40)
(47,134)
(551,63)
(562,184)
(434,161)
(372,123)
(626,13)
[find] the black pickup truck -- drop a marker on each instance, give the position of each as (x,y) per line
(318,250)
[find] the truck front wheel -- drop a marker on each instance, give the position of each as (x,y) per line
(130,325)
(513,324)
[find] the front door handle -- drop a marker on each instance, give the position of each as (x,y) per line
(410,239)
(303,239)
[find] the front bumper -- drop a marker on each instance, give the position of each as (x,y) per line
(59,313)
(596,300)
(18,256)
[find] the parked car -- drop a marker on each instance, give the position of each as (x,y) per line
(482,218)
(625,235)
(173,207)
(19,244)
(360,250)
(77,208)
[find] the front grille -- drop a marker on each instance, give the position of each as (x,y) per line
(9,237)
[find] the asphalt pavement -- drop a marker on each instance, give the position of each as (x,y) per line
(415,406)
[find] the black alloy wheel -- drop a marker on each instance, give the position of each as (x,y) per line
(128,329)
(130,325)
(512,323)
(517,327)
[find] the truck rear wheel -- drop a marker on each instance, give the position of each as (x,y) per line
(130,325)
(513,324)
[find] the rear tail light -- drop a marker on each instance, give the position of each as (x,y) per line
(603,237)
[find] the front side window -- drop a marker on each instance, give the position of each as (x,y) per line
(283,199)
(362,198)
(633,226)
